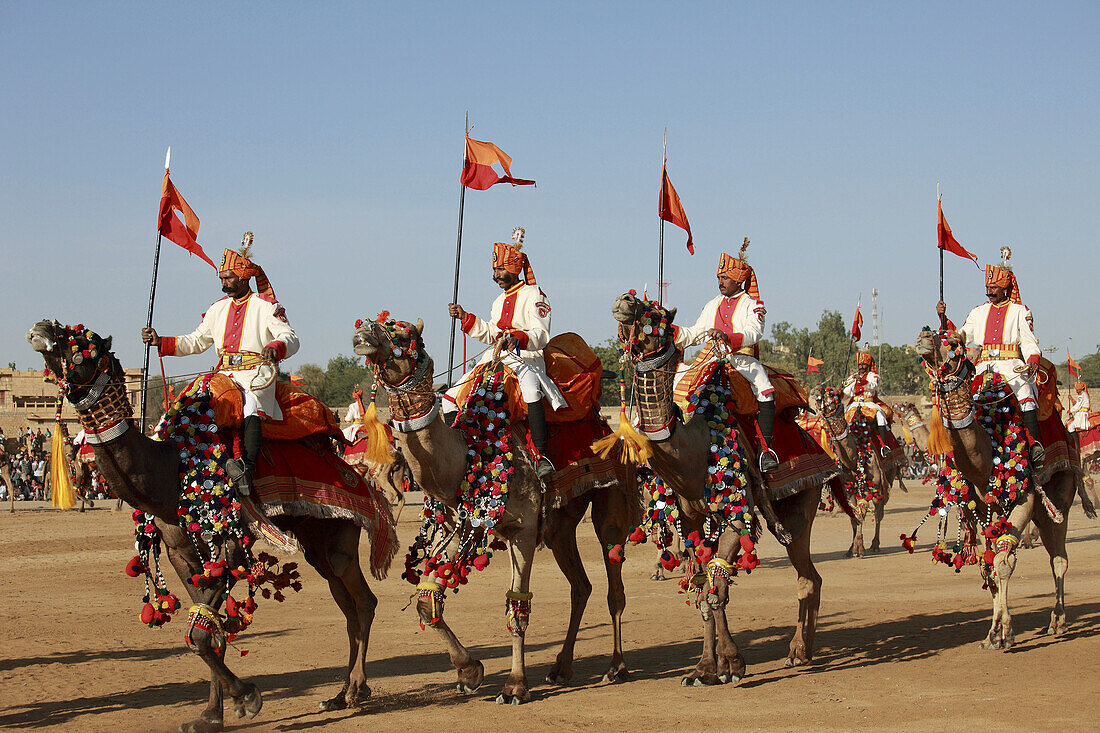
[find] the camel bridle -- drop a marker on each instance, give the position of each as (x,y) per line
(412,401)
(104,410)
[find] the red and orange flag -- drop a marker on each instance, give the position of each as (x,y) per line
(184,233)
(1074,367)
(947,240)
(857,324)
(478,171)
(812,364)
(670,209)
(297,381)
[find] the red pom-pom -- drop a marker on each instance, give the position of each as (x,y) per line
(747,544)
(147,613)
(637,537)
(134,568)
(615,554)
(703,553)
(748,561)
(481,562)
(231,606)
(669,561)
(358,322)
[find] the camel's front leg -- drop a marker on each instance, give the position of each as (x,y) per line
(429,606)
(1001,634)
(610,516)
(857,548)
(560,533)
(880,512)
(729,664)
(247,700)
(1053,537)
(518,609)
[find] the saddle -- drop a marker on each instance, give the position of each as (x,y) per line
(790,394)
(303,414)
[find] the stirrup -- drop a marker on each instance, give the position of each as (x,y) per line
(769,461)
(885,451)
(1037,455)
(239,474)
(544,467)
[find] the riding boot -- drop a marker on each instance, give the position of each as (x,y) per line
(536,420)
(1036,453)
(766,420)
(884,431)
(240,470)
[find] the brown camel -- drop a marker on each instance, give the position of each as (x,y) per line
(681,462)
(436,455)
(972,450)
(883,473)
(910,415)
(145,473)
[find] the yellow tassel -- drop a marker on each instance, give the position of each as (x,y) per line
(63,496)
(636,447)
(939,443)
(378,443)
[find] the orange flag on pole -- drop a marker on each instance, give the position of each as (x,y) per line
(1074,367)
(857,323)
(184,233)
(478,171)
(670,209)
(947,240)
(812,364)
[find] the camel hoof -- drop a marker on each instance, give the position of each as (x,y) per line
(989,644)
(471,676)
(336,703)
(506,699)
(657,576)
(707,680)
(557,678)
(249,704)
(617,675)
(201,725)
(1057,625)
(795,662)
(465,689)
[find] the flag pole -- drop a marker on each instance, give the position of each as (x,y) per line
(149,313)
(939,246)
(851,336)
(458,254)
(661,245)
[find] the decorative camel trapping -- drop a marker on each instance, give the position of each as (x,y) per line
(440,462)
(211,559)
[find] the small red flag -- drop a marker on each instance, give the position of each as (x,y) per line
(297,381)
(857,323)
(812,364)
(947,240)
(670,209)
(186,232)
(478,171)
(1074,367)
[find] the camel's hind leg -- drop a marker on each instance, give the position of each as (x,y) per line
(560,533)
(471,672)
(1001,634)
(729,665)
(1053,537)
(518,604)
(611,517)
(857,548)
(809,589)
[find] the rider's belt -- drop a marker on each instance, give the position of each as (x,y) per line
(232,360)
(991,352)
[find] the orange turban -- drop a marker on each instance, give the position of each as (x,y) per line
(1080,386)
(864,357)
(513,260)
(244,268)
(739,271)
(1003,277)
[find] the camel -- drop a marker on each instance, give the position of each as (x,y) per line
(909,413)
(437,454)
(145,473)
(681,462)
(882,473)
(1047,501)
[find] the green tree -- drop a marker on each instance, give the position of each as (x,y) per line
(609,353)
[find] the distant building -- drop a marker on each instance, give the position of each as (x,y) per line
(26,398)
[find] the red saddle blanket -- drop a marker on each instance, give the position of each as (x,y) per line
(295,478)
(303,414)
(1089,441)
(803,463)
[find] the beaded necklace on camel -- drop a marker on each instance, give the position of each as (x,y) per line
(1009,481)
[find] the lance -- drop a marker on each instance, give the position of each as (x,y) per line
(152,297)
(939,246)
(851,337)
(458,254)
(661,245)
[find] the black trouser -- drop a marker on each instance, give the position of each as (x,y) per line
(1031,422)
(536,420)
(252,438)
(766,421)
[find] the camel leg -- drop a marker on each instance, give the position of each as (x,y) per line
(610,516)
(522,551)
(729,665)
(247,700)
(706,671)
(471,672)
(366,602)
(560,533)
(880,512)
(809,594)
(1001,634)
(857,548)
(347,607)
(1053,537)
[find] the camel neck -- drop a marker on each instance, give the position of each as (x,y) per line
(436,455)
(142,472)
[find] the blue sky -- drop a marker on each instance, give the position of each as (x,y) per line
(334,132)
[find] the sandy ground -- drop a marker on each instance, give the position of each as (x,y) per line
(896,646)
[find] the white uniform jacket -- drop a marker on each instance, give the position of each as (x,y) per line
(1005,341)
(864,391)
(353,416)
(524,311)
(741,318)
(1079,412)
(240,327)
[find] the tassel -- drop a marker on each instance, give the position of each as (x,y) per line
(939,444)
(636,447)
(378,443)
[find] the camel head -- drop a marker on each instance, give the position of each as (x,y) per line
(644,325)
(74,355)
(395,348)
(827,399)
(942,351)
